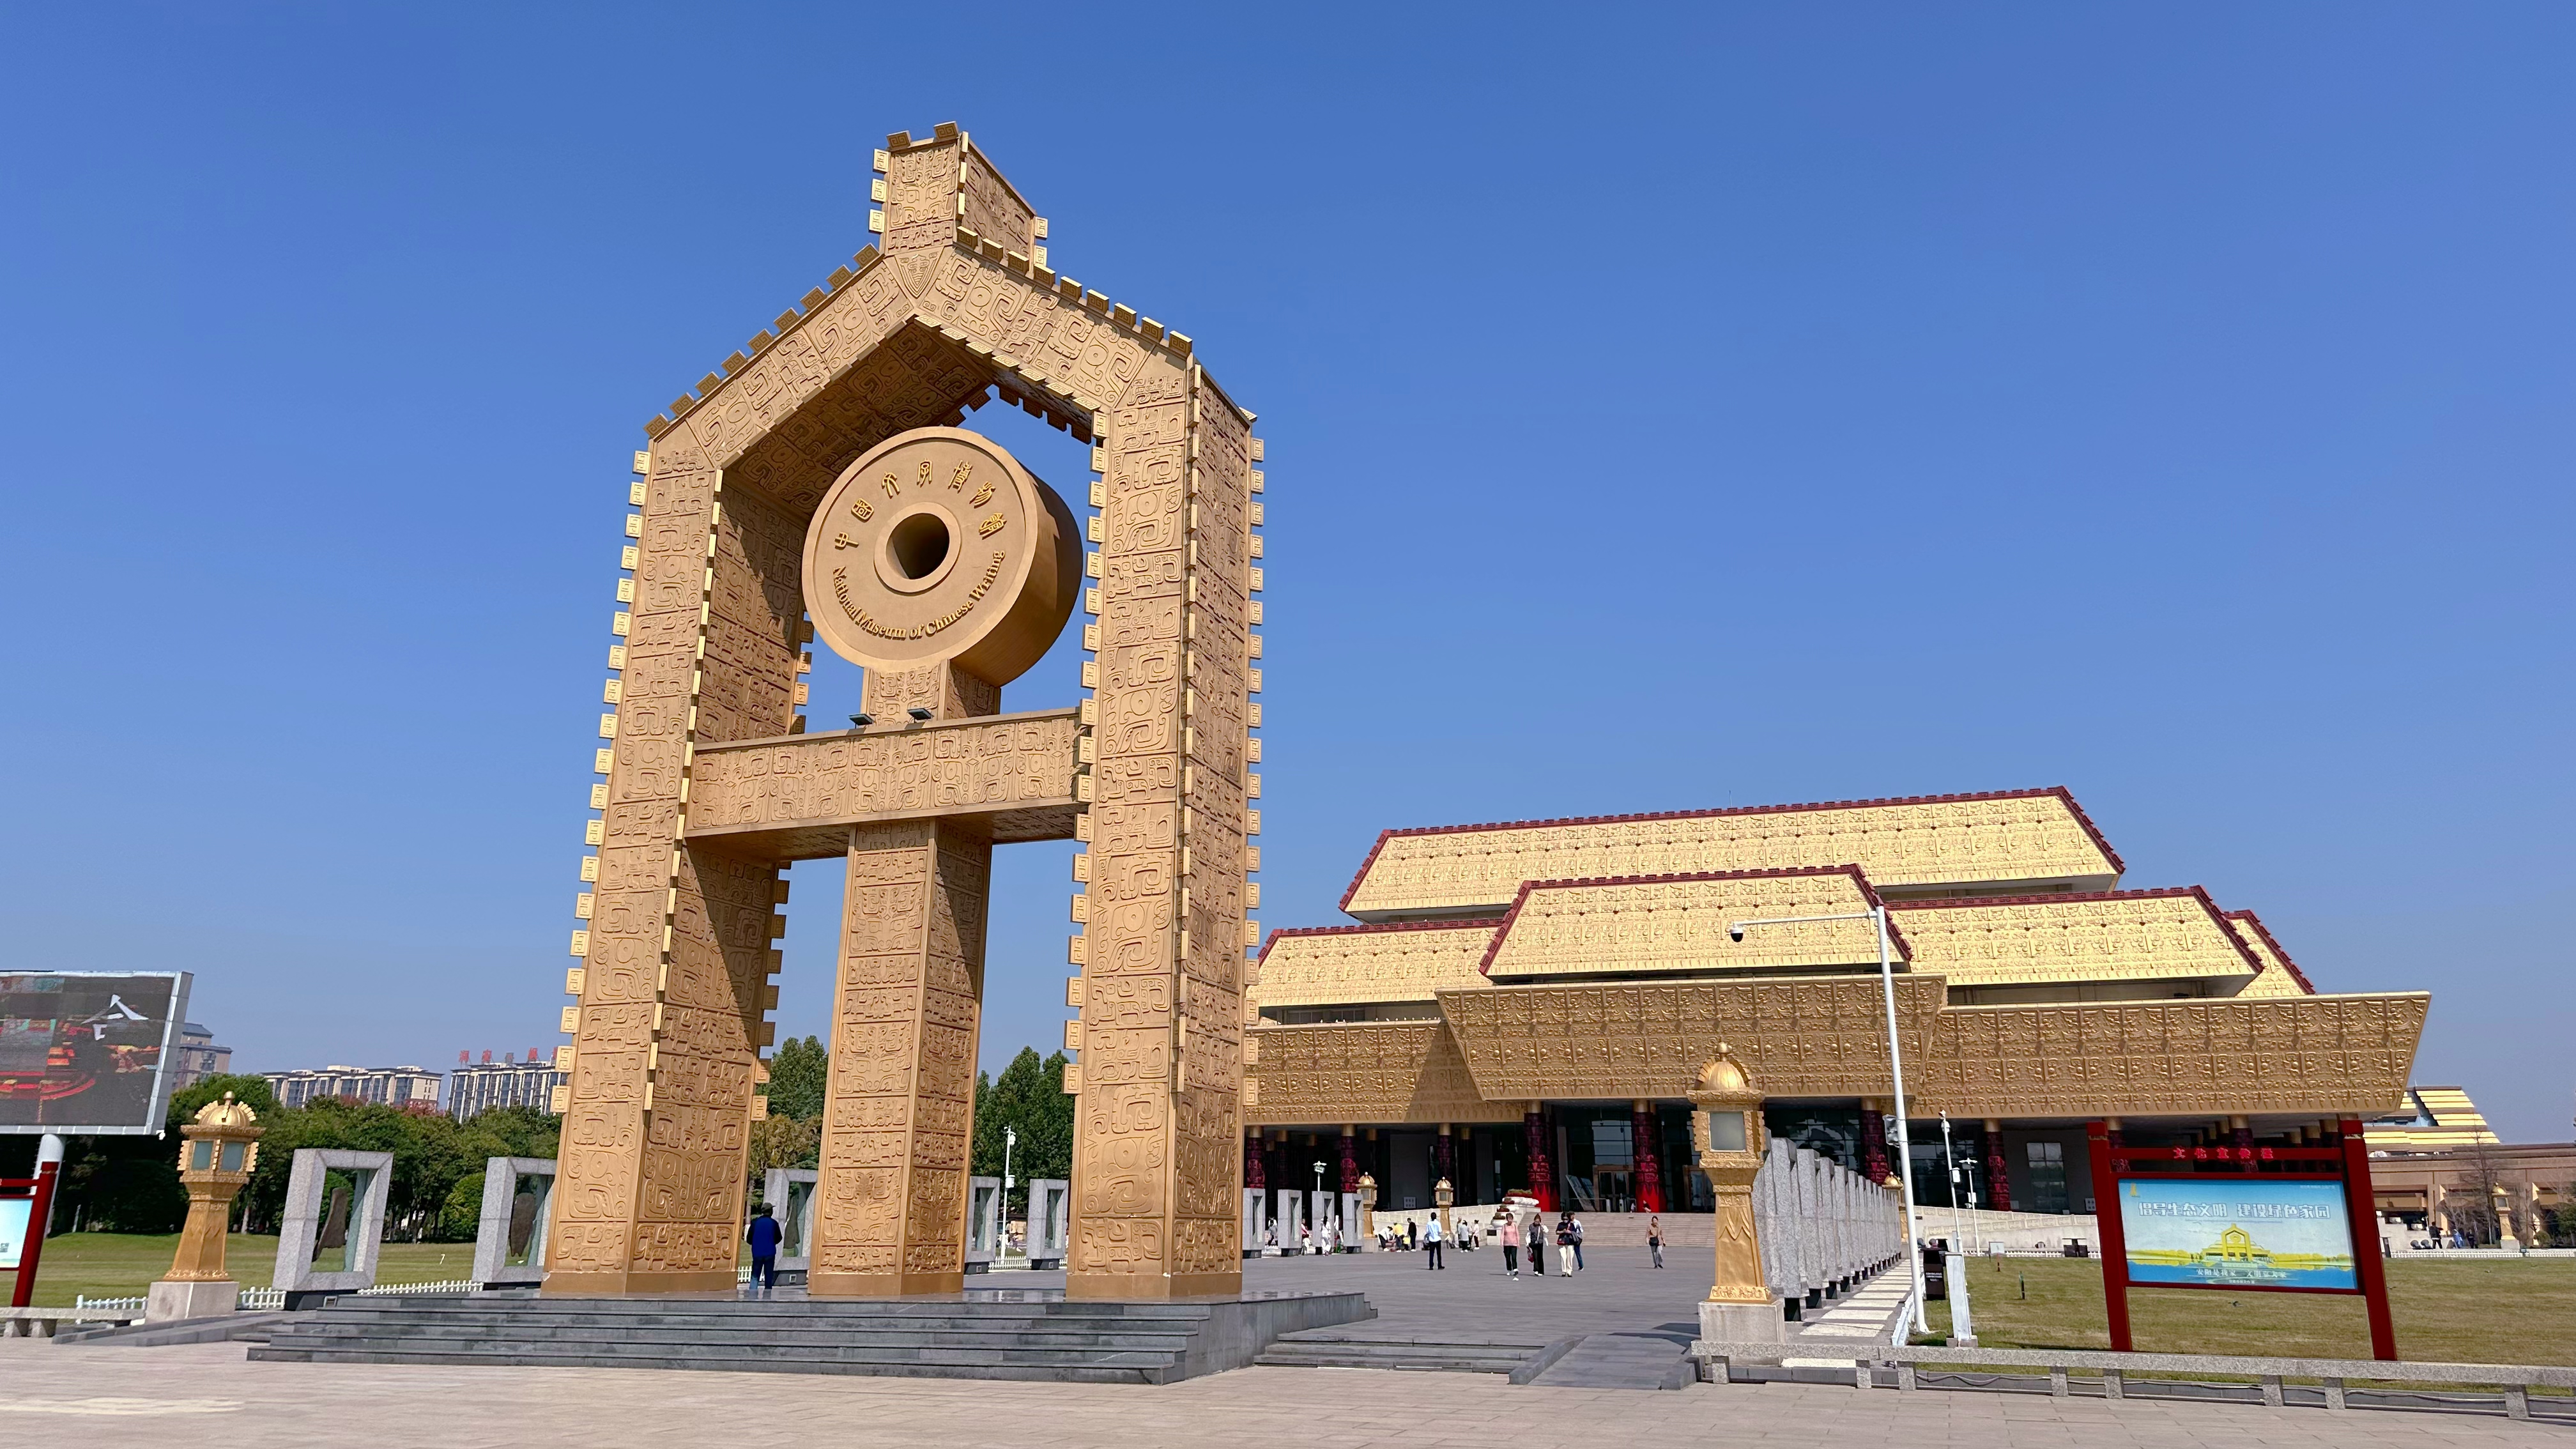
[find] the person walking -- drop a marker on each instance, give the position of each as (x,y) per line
(1508,1228)
(1565,1244)
(763,1237)
(1412,1235)
(1655,1238)
(1578,1244)
(1431,1245)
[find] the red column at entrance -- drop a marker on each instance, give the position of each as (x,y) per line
(1350,1161)
(1873,1144)
(2361,1209)
(1650,1169)
(1542,1173)
(1998,1183)
(1252,1176)
(2099,1139)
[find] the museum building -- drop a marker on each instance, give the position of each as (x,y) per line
(1525,1004)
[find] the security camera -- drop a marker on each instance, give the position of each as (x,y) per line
(1735,933)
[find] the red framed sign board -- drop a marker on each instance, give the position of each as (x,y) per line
(2240,1219)
(26,1209)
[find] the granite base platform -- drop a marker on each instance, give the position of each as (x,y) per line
(1011,1335)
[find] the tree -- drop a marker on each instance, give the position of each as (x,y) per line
(461,1217)
(797,1071)
(783,1142)
(1029,1098)
(252,1092)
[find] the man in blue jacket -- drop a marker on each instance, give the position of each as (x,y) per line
(764,1236)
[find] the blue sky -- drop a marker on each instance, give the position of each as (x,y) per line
(1712,406)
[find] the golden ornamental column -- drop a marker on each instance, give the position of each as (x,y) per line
(1727,1131)
(945,569)
(1157,1166)
(222,1149)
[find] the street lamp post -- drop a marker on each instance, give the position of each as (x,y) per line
(1877,916)
(1315,1202)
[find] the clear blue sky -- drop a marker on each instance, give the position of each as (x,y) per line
(1722,406)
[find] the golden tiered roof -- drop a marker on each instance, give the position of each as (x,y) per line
(1349,965)
(1679,923)
(2062,940)
(2280,976)
(1591,959)
(2442,1117)
(2015,838)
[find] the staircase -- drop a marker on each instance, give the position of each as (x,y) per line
(1326,1348)
(1031,1338)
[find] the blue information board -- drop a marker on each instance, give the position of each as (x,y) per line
(15,1214)
(2237,1232)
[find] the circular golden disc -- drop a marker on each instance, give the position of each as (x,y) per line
(937,545)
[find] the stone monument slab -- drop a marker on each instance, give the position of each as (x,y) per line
(505,1250)
(300,1234)
(1050,1219)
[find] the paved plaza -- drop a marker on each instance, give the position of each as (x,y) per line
(210,1395)
(207,1395)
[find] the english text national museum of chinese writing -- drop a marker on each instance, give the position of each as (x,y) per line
(1525,1005)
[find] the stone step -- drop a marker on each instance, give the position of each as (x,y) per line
(1620,1361)
(711,1325)
(484,1348)
(530,1356)
(876,1335)
(1029,1339)
(1315,1349)
(612,1310)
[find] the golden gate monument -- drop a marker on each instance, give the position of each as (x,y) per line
(820,483)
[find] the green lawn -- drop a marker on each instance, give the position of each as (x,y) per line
(116,1265)
(2512,1311)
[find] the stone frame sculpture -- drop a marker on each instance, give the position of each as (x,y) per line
(305,1181)
(983,1223)
(779,1188)
(1049,1217)
(501,1179)
(712,787)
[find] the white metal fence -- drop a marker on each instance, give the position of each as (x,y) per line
(452,1288)
(86,1304)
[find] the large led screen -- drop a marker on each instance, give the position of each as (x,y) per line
(84,1052)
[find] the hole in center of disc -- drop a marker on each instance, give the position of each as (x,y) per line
(919,545)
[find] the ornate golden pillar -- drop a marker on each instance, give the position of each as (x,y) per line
(946,569)
(222,1148)
(1728,1133)
(1156,1167)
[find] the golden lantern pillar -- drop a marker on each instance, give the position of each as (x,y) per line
(1442,1197)
(215,1163)
(1727,1133)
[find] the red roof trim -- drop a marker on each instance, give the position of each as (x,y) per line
(1868,893)
(2251,919)
(1481,923)
(1354,887)
(2118,866)
(2200,893)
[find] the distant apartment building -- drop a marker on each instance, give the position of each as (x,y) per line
(199,1058)
(391,1086)
(481,1086)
